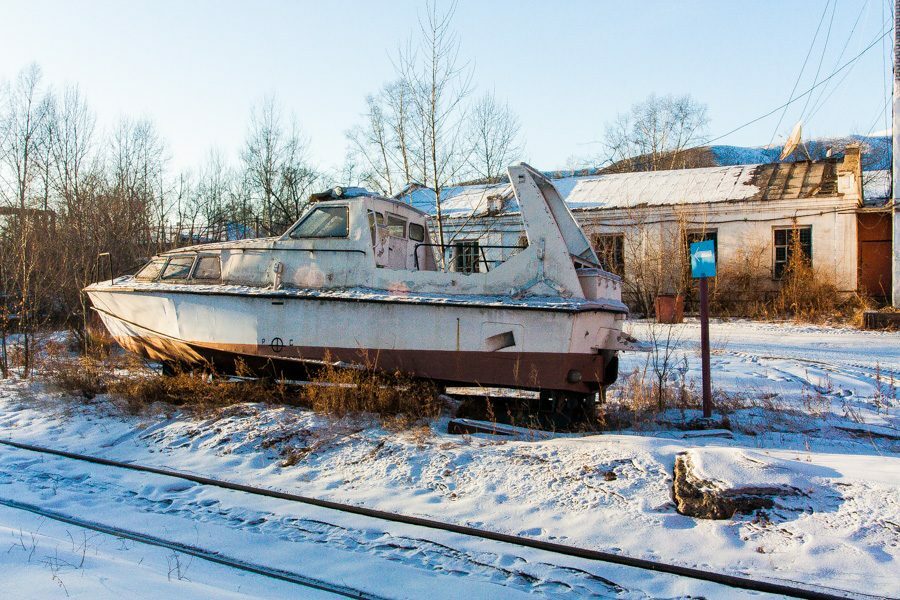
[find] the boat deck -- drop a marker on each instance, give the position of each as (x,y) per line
(363,294)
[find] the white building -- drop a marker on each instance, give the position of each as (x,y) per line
(641,222)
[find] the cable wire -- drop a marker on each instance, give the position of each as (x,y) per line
(821,58)
(800,74)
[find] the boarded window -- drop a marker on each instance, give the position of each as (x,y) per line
(151,270)
(610,248)
(787,241)
(416,232)
(692,237)
(396,226)
(324,222)
(467,257)
(208,268)
(178,268)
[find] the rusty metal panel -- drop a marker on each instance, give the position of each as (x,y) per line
(874,244)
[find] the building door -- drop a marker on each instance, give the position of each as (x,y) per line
(873,234)
(396,242)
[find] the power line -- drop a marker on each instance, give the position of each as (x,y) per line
(798,97)
(821,58)
(803,68)
(815,103)
(847,74)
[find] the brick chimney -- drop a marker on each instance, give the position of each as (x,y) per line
(849,172)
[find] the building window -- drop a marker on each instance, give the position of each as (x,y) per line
(692,237)
(787,240)
(610,248)
(467,257)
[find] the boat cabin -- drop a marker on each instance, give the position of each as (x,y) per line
(349,240)
(398,232)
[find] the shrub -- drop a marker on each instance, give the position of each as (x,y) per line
(397,398)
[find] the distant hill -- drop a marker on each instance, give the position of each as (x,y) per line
(876,155)
(876,152)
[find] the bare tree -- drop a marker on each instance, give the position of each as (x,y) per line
(398,99)
(276,167)
(495,137)
(439,85)
(656,134)
(137,161)
(26,131)
(371,142)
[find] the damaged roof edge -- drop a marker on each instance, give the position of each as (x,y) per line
(705,185)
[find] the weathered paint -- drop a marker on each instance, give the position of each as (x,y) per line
(286,301)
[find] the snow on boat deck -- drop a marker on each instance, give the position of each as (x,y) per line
(363,294)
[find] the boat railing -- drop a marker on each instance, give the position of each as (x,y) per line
(97,263)
(289,249)
(483,258)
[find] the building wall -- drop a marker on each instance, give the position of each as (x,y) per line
(653,235)
(741,228)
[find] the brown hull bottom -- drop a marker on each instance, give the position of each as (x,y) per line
(581,373)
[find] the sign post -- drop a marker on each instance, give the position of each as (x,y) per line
(703,266)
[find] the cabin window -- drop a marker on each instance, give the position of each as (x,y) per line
(208,267)
(416,232)
(178,268)
(324,222)
(610,248)
(396,226)
(466,257)
(151,270)
(787,241)
(372,226)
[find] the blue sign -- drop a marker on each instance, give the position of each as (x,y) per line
(703,259)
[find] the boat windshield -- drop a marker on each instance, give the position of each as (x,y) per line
(150,271)
(178,268)
(324,222)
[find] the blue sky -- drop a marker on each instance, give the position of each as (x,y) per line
(565,68)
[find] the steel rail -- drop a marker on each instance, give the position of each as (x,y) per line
(201,553)
(734,581)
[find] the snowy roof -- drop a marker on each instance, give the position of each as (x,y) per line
(621,190)
(876,187)
(802,179)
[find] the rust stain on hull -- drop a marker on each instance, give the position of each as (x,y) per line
(526,370)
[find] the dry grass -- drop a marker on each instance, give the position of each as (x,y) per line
(810,295)
(744,288)
(640,401)
(742,285)
(396,400)
(400,401)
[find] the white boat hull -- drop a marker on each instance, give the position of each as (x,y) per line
(555,347)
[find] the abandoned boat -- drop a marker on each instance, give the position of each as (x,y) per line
(358,280)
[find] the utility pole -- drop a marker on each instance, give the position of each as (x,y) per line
(704,347)
(895,163)
(703,266)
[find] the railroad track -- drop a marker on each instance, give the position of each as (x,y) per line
(192,550)
(732,581)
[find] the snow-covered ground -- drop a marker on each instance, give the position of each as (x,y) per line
(834,447)
(808,387)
